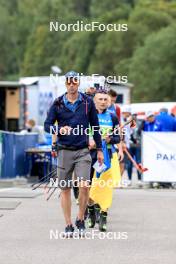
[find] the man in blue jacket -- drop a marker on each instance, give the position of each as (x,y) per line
(151,124)
(167,121)
(74,112)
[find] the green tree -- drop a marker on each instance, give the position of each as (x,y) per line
(110,49)
(99,8)
(77,51)
(141,24)
(8,47)
(152,69)
(41,53)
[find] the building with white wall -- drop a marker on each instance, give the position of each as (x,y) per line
(42,90)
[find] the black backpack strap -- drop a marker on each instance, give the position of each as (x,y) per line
(57,101)
(115,120)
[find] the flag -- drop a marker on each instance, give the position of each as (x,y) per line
(102,184)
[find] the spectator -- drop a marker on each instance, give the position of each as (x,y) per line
(114,108)
(173,111)
(32,127)
(90,91)
(152,124)
(135,146)
(167,121)
(173,114)
(126,114)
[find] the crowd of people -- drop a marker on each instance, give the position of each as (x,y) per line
(77,154)
(160,122)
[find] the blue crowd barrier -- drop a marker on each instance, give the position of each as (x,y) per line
(13,156)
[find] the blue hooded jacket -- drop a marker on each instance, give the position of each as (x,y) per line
(152,126)
(168,122)
(83,115)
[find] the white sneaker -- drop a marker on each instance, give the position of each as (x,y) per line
(139,182)
(155,185)
(129,182)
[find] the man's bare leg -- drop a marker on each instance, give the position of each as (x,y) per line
(83,199)
(122,168)
(66,205)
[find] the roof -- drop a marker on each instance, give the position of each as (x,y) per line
(114,82)
(30,80)
(8,84)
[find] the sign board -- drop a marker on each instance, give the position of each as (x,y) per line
(159,156)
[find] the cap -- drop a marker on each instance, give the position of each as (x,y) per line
(72,74)
(126,109)
(149,113)
(133,112)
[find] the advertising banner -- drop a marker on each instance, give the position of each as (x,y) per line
(159,156)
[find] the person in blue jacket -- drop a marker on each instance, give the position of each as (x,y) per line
(168,122)
(74,110)
(152,124)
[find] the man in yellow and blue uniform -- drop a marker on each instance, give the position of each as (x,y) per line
(108,123)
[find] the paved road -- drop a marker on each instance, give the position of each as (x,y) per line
(148,218)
